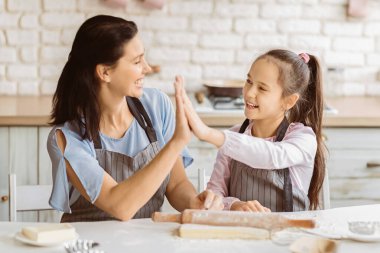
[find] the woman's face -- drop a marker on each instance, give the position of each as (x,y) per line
(127,77)
(262,92)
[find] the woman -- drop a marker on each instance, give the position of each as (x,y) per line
(113,147)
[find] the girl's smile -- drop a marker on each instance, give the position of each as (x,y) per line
(251,106)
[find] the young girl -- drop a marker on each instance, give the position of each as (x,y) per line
(275,159)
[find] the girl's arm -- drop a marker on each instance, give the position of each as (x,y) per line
(200,129)
(298,148)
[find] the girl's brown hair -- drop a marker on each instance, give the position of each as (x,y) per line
(305,78)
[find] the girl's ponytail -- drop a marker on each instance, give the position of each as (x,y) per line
(312,114)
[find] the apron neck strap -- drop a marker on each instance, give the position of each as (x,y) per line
(281,130)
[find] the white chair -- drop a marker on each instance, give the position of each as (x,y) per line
(202,180)
(324,195)
(27,197)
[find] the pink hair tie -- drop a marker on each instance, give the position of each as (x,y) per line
(305,57)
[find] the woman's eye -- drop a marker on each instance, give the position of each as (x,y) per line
(261,88)
(248,81)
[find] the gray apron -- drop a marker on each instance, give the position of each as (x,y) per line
(272,188)
(121,167)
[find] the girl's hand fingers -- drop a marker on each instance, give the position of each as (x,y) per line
(256,206)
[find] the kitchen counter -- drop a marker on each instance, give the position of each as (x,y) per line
(352,112)
(142,235)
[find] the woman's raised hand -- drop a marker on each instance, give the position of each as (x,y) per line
(182,131)
(200,129)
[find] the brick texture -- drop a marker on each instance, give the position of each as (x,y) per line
(196,38)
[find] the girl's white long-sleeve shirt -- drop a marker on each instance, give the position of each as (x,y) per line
(296,151)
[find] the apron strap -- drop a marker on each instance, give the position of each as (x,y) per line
(142,117)
(138,111)
(244,126)
(288,189)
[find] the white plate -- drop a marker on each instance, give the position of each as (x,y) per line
(344,235)
(363,238)
(21,238)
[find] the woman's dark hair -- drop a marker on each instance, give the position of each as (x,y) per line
(99,40)
(305,78)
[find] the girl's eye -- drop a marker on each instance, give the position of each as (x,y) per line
(249,81)
(261,88)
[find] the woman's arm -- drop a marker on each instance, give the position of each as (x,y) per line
(182,194)
(123,200)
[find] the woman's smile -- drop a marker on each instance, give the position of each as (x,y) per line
(139,83)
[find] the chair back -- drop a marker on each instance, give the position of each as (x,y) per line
(27,197)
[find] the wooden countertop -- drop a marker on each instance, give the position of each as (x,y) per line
(352,112)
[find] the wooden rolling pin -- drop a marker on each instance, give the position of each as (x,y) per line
(233,218)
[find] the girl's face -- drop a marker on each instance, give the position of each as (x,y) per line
(262,93)
(127,77)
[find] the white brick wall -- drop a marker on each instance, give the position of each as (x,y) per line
(59,5)
(24,5)
(200,39)
(29,21)
(211,24)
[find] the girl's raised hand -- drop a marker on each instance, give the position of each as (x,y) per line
(249,206)
(200,129)
(207,200)
(182,131)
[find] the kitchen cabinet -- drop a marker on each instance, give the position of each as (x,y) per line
(353,152)
(23,152)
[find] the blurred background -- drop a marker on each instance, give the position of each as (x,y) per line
(200,39)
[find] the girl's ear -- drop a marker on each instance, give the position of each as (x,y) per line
(291,100)
(103,73)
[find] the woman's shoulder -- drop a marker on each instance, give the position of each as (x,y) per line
(156,101)
(70,130)
(154,95)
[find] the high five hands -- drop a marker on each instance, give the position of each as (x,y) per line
(200,129)
(190,121)
(206,199)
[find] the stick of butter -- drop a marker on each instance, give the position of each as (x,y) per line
(49,233)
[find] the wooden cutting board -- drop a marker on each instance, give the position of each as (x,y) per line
(196,231)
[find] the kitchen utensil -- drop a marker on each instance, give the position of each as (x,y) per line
(233,218)
(224,88)
(221,232)
(364,227)
(82,246)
